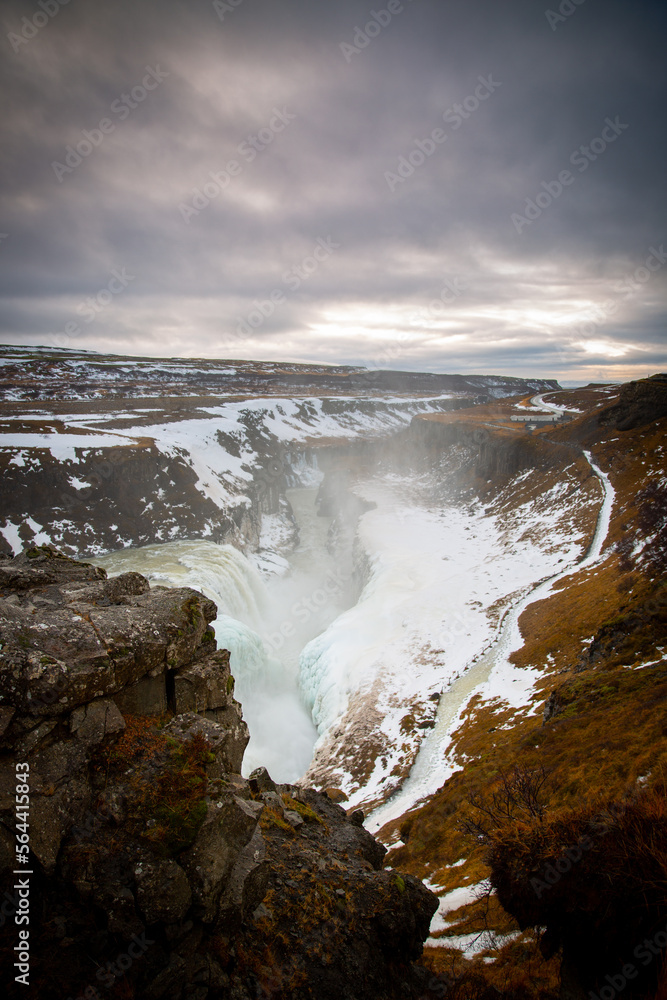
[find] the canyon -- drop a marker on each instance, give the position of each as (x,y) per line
(425,588)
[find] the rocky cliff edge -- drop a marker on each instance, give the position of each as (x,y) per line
(157,870)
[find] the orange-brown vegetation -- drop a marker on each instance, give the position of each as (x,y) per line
(168,783)
(598,641)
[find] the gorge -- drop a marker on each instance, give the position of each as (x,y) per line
(412,587)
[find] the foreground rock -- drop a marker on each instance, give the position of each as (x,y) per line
(158,870)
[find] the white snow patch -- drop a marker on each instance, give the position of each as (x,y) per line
(473,944)
(63,446)
(451,902)
(10,533)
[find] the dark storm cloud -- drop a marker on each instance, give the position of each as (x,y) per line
(311,139)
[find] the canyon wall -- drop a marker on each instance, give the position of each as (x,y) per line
(154,867)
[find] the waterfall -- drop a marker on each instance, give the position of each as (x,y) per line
(220,571)
(281,730)
(305,470)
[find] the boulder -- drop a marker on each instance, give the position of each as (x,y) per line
(44,565)
(92,722)
(227,828)
(163,891)
(227,742)
(205,684)
(261,781)
(248,882)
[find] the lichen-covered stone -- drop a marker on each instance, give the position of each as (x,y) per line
(90,638)
(142,825)
(163,891)
(227,742)
(204,685)
(92,722)
(229,825)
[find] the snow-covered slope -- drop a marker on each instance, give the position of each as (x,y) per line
(29,373)
(98,452)
(441,578)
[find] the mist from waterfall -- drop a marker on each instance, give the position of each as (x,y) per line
(263,624)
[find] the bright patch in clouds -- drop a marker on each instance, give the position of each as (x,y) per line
(432,276)
(603,347)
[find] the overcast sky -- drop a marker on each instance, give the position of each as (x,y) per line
(467,186)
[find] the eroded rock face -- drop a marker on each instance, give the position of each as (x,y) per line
(158,868)
(68,641)
(640,403)
(79,653)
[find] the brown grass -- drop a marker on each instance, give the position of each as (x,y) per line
(608,731)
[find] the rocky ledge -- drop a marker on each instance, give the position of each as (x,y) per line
(158,871)
(639,403)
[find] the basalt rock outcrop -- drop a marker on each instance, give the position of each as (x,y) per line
(158,871)
(640,403)
(134,493)
(489,451)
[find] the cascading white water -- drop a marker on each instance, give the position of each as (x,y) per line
(220,571)
(282,733)
(264,625)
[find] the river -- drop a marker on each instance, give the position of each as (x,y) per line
(432,766)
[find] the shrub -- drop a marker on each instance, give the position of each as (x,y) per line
(595,877)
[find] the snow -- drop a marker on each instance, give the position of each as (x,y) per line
(490,674)
(453,901)
(505,675)
(473,944)
(221,475)
(63,446)
(40,536)
(428,613)
(540,403)
(269,563)
(10,533)
(604,518)
(277,534)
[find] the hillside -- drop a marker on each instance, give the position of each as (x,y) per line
(46,373)
(580,759)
